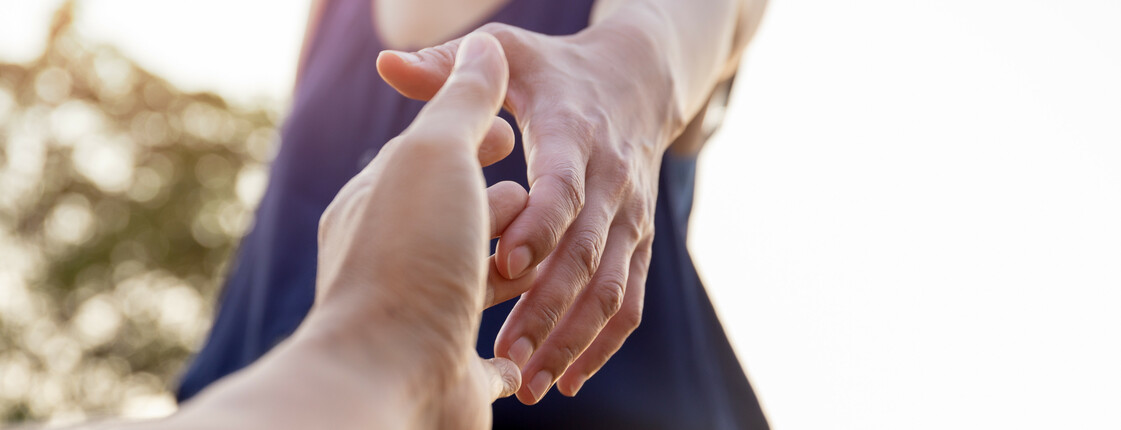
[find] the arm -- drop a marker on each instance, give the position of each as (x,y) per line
(597,111)
(701,42)
(390,341)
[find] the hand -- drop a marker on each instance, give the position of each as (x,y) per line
(402,281)
(403,245)
(596,116)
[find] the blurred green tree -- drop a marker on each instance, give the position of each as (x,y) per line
(121,201)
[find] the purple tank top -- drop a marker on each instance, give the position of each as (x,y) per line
(676,371)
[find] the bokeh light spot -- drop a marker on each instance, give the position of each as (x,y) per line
(53,85)
(107,162)
(71,221)
(251,182)
(74,119)
(97,321)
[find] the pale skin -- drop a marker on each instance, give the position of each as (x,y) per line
(390,341)
(597,111)
(390,344)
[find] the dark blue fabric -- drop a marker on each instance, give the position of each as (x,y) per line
(677,371)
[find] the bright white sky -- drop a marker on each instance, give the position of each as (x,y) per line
(912,218)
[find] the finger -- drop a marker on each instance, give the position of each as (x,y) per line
(591,311)
(560,281)
(507,199)
(498,143)
(500,289)
(617,330)
(418,75)
(503,376)
(463,110)
(557,172)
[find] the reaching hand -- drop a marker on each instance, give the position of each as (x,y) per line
(403,245)
(595,126)
(402,281)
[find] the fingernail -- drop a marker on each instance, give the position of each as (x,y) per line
(578,385)
(518,261)
(540,384)
(520,351)
(407,57)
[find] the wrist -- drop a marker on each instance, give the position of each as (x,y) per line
(308,381)
(359,381)
(365,349)
(628,41)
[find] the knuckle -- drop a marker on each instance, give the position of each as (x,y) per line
(597,124)
(632,228)
(565,355)
(616,165)
(585,126)
(572,187)
(585,249)
(631,318)
(598,121)
(614,169)
(570,181)
(609,295)
(548,316)
(633,223)
(647,226)
(553,232)
(640,214)
(571,124)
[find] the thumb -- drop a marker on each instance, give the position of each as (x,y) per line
(418,75)
(503,377)
(464,107)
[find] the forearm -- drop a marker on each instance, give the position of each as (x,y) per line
(307,382)
(698,42)
(313,380)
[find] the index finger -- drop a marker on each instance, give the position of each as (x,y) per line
(557,166)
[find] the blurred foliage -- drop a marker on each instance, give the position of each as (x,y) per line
(121,201)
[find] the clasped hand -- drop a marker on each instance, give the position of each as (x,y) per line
(401,284)
(595,121)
